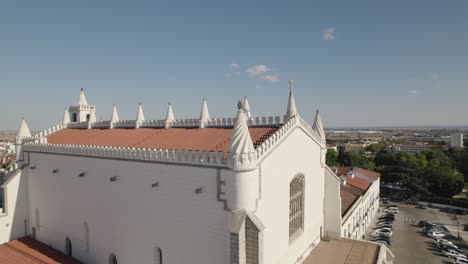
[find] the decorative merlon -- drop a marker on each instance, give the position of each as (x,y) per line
(169,116)
(140,117)
(114,116)
(242,156)
(66,116)
(208,158)
(204,115)
(318,127)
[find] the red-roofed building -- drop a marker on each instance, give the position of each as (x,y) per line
(359,191)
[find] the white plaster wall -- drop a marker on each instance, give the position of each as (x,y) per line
(12,222)
(332,205)
(128,217)
(297,154)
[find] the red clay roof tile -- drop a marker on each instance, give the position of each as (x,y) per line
(29,251)
(207,139)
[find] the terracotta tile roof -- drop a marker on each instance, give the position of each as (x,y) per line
(356,182)
(371,174)
(29,251)
(207,139)
(349,195)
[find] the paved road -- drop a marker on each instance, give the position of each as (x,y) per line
(409,244)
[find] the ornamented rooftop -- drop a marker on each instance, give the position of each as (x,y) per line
(238,142)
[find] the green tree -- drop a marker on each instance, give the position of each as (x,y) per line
(332,157)
(443,181)
(376,147)
(355,159)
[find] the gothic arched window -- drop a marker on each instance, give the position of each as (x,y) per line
(112,259)
(296,205)
(68,247)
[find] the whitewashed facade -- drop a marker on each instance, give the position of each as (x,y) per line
(266,204)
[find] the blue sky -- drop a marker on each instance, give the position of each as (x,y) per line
(365,63)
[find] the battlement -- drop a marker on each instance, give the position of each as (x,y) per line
(82,107)
(208,158)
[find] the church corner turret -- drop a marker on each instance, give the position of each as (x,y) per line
(23,132)
(241,152)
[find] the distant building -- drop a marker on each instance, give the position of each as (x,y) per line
(412,148)
(456,140)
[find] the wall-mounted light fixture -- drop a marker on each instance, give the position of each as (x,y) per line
(113,178)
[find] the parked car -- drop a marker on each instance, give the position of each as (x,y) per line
(460,211)
(381,238)
(423,223)
(448,247)
(435,234)
(391,210)
(384,200)
(384,229)
(453,254)
(460,260)
(383,233)
(421,206)
(442,240)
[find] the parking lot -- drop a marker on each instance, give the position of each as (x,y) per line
(409,244)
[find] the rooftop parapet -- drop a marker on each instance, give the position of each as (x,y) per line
(208,158)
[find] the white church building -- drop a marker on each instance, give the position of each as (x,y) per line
(243,190)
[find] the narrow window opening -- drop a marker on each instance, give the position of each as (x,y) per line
(68,247)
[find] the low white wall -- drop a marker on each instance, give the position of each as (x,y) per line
(12,222)
(332,205)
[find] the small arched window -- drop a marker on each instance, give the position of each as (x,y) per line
(36,213)
(68,247)
(112,259)
(296,205)
(74,118)
(86,236)
(87,117)
(157,256)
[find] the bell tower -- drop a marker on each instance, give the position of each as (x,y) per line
(82,112)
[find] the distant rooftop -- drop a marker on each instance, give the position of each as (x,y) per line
(344,251)
(29,251)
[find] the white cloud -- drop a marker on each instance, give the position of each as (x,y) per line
(328,34)
(413,92)
(234,65)
(257,70)
(270,78)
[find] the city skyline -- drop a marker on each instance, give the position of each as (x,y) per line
(356,63)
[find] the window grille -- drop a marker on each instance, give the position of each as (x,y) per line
(296,205)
